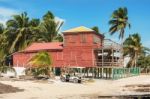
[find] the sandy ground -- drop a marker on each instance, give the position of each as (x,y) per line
(62,90)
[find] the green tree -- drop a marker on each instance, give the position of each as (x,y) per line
(144,61)
(118,22)
(19,32)
(3,43)
(133,48)
(96,29)
(40,64)
(49,27)
(58,38)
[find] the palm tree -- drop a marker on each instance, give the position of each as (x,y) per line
(133,48)
(40,64)
(144,61)
(118,22)
(3,43)
(19,31)
(50,27)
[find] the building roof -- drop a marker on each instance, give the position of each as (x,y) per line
(79,29)
(44,46)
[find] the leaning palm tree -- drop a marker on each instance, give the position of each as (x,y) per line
(19,32)
(133,48)
(3,43)
(40,64)
(118,22)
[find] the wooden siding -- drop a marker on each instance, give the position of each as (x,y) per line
(77,51)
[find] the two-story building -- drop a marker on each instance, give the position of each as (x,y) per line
(82,47)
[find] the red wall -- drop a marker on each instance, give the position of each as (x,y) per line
(21,59)
(77,51)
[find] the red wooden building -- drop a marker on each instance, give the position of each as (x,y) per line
(79,49)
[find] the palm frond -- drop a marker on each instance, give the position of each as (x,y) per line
(119,21)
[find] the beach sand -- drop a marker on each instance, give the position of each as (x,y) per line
(63,90)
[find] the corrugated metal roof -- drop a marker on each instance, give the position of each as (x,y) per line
(79,29)
(44,46)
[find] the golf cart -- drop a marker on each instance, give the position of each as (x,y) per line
(73,75)
(70,78)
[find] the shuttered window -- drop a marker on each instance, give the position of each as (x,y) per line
(83,38)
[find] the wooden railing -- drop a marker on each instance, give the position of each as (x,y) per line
(107,62)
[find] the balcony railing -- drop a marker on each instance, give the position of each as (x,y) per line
(107,62)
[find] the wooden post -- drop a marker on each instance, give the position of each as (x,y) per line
(84,72)
(112,73)
(106,73)
(109,73)
(102,72)
(87,72)
(112,56)
(93,72)
(98,73)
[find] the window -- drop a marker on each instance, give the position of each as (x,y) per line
(83,38)
(96,39)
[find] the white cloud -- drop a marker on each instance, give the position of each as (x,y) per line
(6,13)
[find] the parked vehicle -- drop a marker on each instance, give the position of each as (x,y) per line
(71,78)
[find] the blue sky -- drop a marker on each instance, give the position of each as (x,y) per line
(84,12)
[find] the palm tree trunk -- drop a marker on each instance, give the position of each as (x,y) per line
(135,59)
(122,59)
(14,42)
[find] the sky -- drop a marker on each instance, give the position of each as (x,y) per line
(87,13)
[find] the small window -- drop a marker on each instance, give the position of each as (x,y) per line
(83,38)
(96,39)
